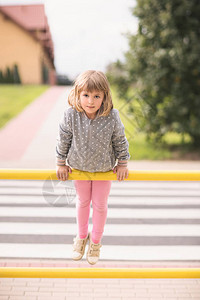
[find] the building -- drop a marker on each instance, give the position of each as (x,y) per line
(25,41)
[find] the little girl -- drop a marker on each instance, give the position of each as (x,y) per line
(91,137)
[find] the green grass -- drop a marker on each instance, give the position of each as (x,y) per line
(14,98)
(140,148)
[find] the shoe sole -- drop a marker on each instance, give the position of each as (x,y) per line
(77,258)
(91,262)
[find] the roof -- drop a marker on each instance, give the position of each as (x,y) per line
(33,19)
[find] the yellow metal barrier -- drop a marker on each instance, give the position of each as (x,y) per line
(100,272)
(39,174)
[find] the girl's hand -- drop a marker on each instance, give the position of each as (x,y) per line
(122,172)
(62,172)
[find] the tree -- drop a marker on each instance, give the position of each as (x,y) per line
(9,75)
(63,80)
(119,77)
(16,75)
(45,74)
(1,77)
(163,60)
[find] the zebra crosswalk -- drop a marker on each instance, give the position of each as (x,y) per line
(147,221)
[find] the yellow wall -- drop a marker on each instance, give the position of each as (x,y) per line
(17,46)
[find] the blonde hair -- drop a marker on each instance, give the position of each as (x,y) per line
(90,81)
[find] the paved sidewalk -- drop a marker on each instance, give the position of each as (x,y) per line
(164,165)
(29,139)
(115,289)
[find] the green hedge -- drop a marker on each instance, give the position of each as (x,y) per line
(10,75)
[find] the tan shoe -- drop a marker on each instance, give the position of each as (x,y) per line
(93,251)
(79,247)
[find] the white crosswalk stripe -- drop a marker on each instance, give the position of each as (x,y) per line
(143,253)
(110,229)
(31,227)
(112,213)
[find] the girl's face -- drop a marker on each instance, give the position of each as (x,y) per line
(91,102)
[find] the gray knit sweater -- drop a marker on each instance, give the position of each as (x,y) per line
(91,145)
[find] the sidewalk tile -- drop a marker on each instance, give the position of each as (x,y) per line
(22,298)
(98,288)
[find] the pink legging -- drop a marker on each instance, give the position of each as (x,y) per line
(97,191)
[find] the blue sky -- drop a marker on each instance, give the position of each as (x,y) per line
(87,34)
